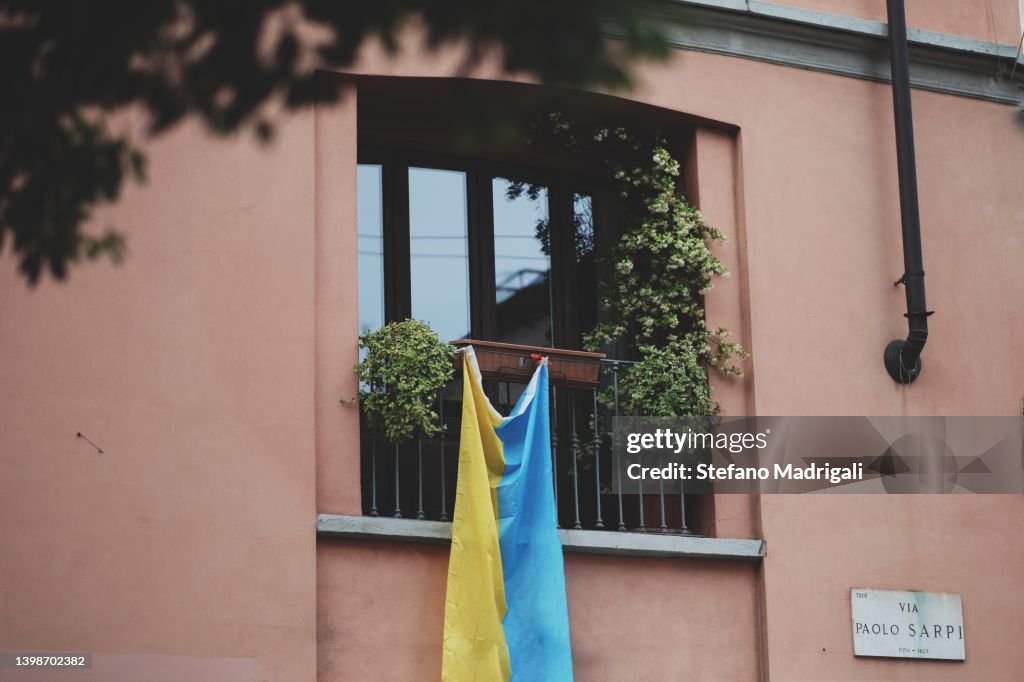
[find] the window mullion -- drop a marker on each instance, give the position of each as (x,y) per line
(397,292)
(481,254)
(564,331)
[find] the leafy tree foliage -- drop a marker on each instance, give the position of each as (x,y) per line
(66,64)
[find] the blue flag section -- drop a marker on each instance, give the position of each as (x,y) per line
(505,609)
(536,623)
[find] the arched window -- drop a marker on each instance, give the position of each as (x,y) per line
(498,240)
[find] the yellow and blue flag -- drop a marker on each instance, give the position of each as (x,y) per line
(505,612)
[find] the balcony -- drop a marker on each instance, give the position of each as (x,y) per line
(416,480)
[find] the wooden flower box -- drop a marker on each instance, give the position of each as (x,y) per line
(512,362)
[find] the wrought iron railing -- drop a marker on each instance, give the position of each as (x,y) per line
(417,479)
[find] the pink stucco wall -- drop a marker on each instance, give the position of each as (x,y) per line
(992,20)
(209,365)
(191,366)
(644,619)
(821,546)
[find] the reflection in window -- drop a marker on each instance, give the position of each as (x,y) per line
(370,248)
(522,263)
(586,268)
(439,251)
(583,221)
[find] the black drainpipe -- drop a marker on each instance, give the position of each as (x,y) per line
(903,358)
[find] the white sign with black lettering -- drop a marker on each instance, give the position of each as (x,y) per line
(907,624)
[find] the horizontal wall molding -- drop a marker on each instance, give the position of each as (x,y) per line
(580,541)
(847,46)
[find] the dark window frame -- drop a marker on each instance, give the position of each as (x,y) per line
(394,162)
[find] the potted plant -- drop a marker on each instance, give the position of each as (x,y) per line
(404,370)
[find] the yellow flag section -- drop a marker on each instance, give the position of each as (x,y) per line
(474,641)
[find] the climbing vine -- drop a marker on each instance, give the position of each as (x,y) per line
(659,270)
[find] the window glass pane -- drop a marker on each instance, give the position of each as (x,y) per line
(587,284)
(522,263)
(370,247)
(583,220)
(439,250)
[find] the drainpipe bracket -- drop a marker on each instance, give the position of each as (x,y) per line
(903,277)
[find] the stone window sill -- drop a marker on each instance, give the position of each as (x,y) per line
(578,541)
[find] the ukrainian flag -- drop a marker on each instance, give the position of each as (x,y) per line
(505,615)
